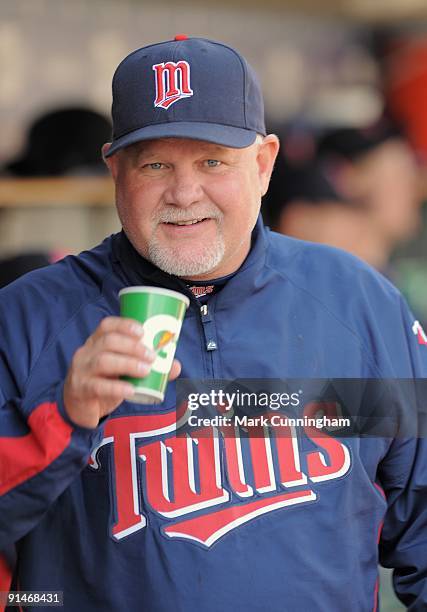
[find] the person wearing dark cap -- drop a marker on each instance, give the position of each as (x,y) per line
(104,499)
(358,191)
(63,141)
(377,173)
(304,203)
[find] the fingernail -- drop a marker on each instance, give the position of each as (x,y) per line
(137,329)
(151,355)
(143,367)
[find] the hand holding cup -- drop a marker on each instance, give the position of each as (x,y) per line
(93,386)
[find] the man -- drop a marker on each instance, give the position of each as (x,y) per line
(101,499)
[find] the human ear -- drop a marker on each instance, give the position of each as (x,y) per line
(266,156)
(111,162)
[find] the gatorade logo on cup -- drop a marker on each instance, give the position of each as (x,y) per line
(160,333)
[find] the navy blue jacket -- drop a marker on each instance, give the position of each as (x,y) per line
(128,516)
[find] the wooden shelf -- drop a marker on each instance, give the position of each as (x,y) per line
(57,192)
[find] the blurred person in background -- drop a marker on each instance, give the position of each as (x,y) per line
(376,170)
(304,203)
(61,142)
(355,189)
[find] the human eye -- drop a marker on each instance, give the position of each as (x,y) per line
(213,163)
(154,166)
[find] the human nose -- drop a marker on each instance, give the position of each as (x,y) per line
(184,188)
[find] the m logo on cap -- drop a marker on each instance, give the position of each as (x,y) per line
(172,83)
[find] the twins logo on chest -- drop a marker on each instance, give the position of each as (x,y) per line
(207,483)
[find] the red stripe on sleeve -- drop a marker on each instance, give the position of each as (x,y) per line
(23,457)
(5,579)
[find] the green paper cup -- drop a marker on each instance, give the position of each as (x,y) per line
(161,312)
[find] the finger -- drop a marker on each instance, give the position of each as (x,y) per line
(121,325)
(116,342)
(105,388)
(113,364)
(175,370)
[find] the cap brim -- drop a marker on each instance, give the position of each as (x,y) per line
(227,136)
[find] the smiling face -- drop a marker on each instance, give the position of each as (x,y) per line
(190,206)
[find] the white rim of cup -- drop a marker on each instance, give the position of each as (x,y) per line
(159,290)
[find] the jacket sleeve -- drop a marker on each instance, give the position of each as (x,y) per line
(41,453)
(41,450)
(403,477)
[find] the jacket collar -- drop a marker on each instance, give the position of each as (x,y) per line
(139,271)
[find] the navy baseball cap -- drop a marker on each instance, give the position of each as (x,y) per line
(186,88)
